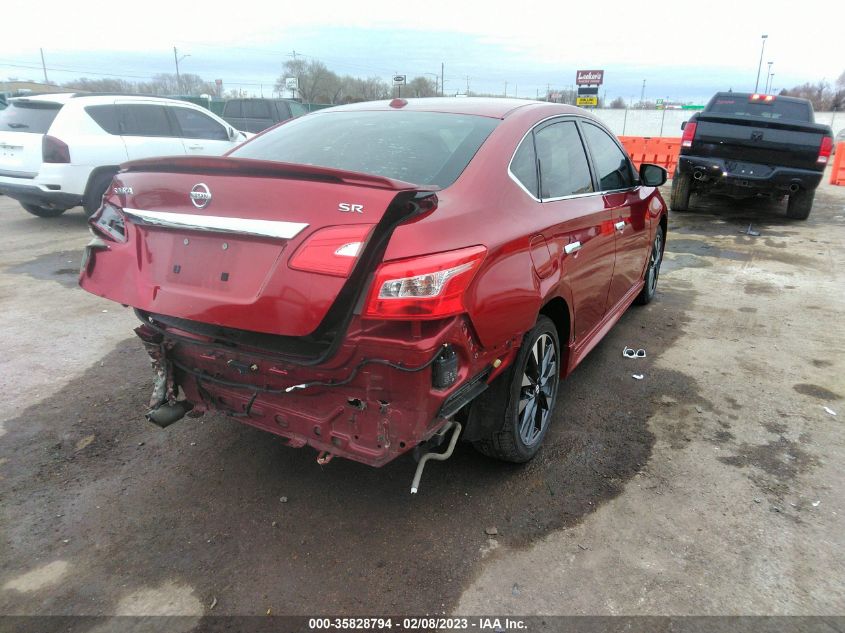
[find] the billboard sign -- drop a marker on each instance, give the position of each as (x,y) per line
(589,77)
(398,80)
(587,101)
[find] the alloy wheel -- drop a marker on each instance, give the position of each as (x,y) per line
(538,389)
(654,261)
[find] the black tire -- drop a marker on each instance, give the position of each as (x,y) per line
(652,272)
(681,191)
(800,204)
(42,212)
(513,433)
(94,193)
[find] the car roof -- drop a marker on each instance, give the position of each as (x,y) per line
(58,97)
(102,99)
(498,108)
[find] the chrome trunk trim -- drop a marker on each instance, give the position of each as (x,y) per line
(217,224)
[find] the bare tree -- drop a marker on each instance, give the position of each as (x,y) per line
(618,103)
(819,94)
(317,84)
(421,87)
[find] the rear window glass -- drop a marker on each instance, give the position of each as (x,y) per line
(28,116)
(425,148)
(777,109)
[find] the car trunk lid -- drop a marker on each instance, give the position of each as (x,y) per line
(211,240)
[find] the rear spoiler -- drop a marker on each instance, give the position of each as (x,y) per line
(268,169)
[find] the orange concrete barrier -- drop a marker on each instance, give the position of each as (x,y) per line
(837,173)
(661,151)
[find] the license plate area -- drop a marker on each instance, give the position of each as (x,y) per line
(214,263)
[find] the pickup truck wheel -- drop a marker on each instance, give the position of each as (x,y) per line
(681,189)
(42,212)
(95,190)
(655,258)
(800,204)
(522,399)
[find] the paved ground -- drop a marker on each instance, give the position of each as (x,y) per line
(713,485)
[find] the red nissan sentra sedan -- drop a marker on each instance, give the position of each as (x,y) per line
(355,278)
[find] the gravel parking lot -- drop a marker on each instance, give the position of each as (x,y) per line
(711,486)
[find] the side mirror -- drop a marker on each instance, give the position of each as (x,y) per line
(683,124)
(233,134)
(652,175)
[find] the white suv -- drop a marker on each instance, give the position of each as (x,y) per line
(61,150)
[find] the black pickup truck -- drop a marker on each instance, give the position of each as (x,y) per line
(743,145)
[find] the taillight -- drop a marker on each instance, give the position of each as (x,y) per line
(53,150)
(110,223)
(332,250)
(758,98)
(689,134)
(825,150)
(428,287)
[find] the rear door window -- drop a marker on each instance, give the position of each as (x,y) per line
(106,116)
(256,110)
(34,117)
(195,124)
(614,171)
(564,170)
(144,120)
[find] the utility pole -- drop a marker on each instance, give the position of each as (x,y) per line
(548,92)
(178,76)
(516,91)
(44,66)
(442,83)
(760,64)
(467,92)
(642,95)
(768,76)
(506,88)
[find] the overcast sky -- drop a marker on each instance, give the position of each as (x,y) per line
(684,50)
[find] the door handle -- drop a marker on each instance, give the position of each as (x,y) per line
(620,225)
(572,247)
(196,146)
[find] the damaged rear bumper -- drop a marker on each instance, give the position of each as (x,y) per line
(383,393)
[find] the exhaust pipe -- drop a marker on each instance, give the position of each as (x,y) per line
(794,187)
(166,414)
(698,174)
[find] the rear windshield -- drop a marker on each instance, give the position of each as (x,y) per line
(424,148)
(776,109)
(29,116)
